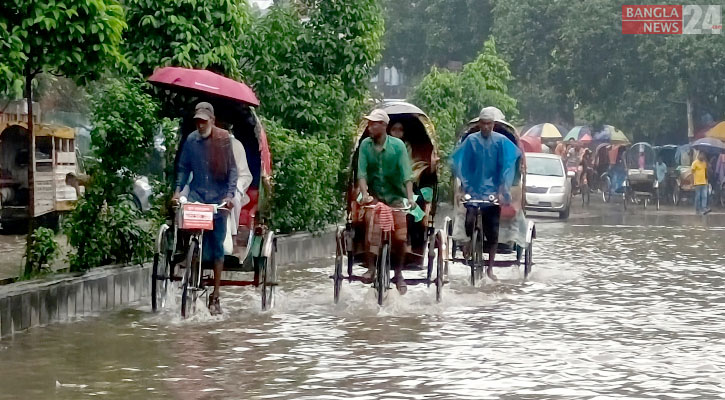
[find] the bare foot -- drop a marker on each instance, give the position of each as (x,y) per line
(489,273)
(401,285)
(368,276)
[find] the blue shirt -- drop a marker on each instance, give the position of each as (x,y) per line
(196,158)
(485,165)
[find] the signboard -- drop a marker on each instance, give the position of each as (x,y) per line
(198,216)
(661,19)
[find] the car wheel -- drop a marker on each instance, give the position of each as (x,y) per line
(565,213)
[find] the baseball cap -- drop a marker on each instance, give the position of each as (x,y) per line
(204,111)
(378,115)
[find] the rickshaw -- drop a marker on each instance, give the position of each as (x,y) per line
(614,181)
(516,234)
(683,187)
(425,250)
(642,183)
(178,256)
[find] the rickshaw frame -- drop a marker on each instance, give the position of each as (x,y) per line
(347,243)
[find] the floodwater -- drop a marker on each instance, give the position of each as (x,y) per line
(616,307)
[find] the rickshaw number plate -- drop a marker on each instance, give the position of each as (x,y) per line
(198,216)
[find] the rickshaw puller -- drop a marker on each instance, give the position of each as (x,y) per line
(485,164)
(207,153)
(384,171)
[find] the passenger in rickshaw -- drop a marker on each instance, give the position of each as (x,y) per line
(423,182)
(207,154)
(384,180)
(485,164)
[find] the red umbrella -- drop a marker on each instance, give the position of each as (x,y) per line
(200,80)
(531,144)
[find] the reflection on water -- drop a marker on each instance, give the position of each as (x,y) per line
(612,310)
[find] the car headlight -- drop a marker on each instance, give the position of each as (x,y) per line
(556,189)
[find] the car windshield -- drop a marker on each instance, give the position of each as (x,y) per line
(544,166)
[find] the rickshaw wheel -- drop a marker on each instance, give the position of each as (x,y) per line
(188,293)
(383,273)
(431,258)
(528,259)
(439,269)
(269,271)
(161,268)
(476,254)
(337,277)
(606,195)
(676,196)
(644,202)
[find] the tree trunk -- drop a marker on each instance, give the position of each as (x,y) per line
(31,166)
(690,123)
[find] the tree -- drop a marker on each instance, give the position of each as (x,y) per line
(74,38)
(310,62)
(425,33)
(185,33)
(535,54)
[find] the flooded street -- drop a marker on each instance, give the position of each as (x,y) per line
(616,307)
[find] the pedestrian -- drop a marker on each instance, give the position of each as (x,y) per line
(699,180)
(661,175)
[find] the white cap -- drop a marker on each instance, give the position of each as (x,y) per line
(491,114)
(378,115)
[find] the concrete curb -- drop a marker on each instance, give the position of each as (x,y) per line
(67,297)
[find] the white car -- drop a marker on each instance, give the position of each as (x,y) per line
(548,188)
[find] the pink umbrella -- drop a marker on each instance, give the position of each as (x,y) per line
(207,82)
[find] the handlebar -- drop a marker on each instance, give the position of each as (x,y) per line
(183,200)
(406,208)
(492,200)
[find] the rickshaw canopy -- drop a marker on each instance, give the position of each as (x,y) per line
(641,155)
(58,131)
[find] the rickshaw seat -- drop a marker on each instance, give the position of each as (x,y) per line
(246,216)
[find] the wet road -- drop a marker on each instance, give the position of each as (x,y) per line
(617,306)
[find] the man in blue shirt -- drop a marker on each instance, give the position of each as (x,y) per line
(207,154)
(485,163)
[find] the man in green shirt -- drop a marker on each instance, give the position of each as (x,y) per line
(384,175)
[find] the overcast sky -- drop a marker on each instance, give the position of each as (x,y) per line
(262,3)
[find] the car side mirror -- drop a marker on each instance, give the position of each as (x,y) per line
(570,174)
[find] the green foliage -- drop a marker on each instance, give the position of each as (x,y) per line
(43,250)
(105,227)
(75,38)
(305,195)
(310,63)
(106,232)
(185,33)
(427,33)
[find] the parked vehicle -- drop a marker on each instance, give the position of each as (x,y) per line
(641,180)
(53,156)
(548,185)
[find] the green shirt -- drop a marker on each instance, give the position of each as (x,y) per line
(386,171)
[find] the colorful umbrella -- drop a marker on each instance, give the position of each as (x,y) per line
(578,132)
(709,145)
(717,131)
(544,131)
(203,81)
(611,135)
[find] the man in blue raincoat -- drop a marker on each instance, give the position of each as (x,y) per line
(485,163)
